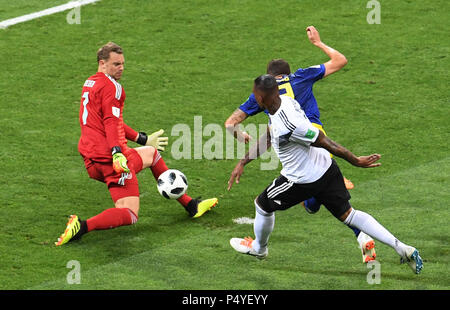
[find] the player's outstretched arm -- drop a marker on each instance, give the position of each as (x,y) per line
(154,140)
(340,151)
(130,133)
(255,151)
(232,126)
(337,60)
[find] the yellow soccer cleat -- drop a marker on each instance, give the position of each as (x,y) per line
(199,207)
(72,231)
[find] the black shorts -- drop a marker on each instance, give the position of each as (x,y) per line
(329,190)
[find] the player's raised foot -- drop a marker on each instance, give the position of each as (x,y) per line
(413,259)
(367,246)
(311,205)
(244,246)
(197,207)
(348,184)
(74,230)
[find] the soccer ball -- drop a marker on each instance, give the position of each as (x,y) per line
(172,184)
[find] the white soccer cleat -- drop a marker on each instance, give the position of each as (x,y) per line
(244,246)
(413,259)
(367,246)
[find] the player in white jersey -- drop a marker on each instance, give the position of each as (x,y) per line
(301,163)
(309,171)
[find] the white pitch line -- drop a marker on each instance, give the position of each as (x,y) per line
(56,9)
(244,220)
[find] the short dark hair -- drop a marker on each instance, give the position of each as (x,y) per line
(108,48)
(277,67)
(266,83)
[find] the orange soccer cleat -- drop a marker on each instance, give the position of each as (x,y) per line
(348,183)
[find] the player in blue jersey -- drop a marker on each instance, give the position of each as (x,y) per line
(297,85)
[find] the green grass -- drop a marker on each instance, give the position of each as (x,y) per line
(16,8)
(199,58)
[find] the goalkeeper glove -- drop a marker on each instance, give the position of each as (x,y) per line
(119,160)
(153,140)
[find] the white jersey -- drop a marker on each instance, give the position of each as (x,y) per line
(292,134)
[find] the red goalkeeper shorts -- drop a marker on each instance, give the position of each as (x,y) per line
(120,185)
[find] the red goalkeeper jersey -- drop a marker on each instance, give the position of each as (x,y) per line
(101,118)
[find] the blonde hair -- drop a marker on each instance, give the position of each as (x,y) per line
(104,52)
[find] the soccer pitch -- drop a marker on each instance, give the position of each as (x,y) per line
(187,59)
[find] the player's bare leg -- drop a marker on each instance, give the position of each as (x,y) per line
(151,158)
(147,153)
(131,203)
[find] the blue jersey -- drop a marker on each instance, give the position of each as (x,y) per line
(296,85)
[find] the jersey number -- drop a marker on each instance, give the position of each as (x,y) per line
(85,102)
(287,87)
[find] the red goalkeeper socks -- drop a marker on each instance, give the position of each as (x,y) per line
(158,167)
(111,218)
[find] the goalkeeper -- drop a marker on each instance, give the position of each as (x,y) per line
(103,146)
